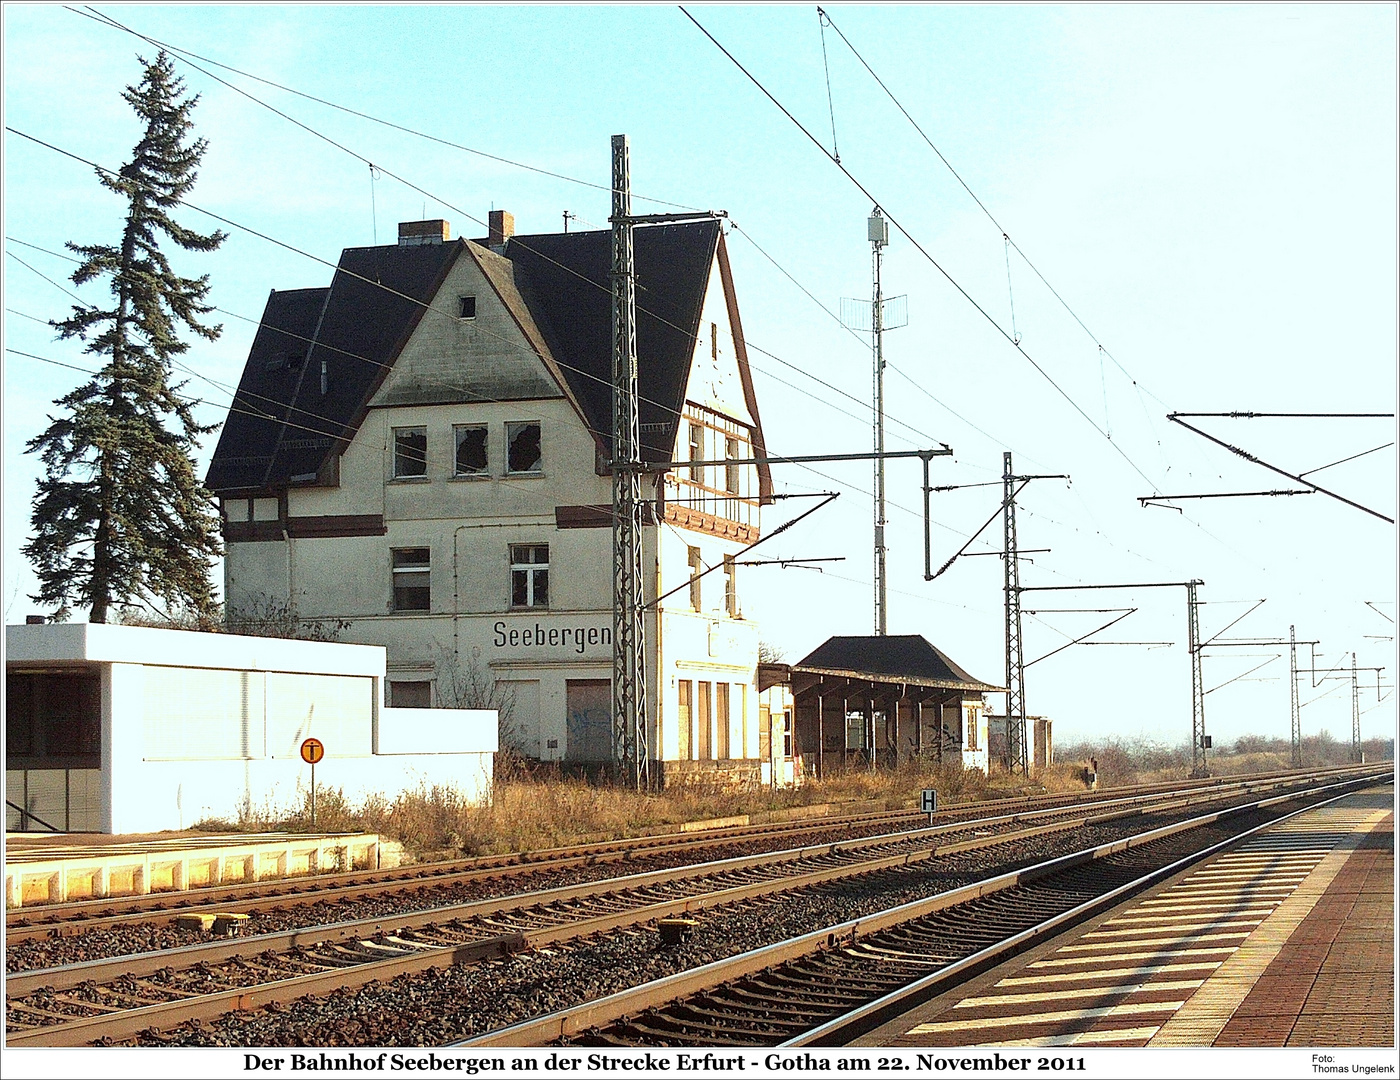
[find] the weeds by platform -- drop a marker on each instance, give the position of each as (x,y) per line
(533,807)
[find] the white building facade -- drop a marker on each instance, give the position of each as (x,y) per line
(125,729)
(418,453)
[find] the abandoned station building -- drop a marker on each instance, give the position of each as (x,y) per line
(419,450)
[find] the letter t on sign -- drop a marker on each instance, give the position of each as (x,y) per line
(928,803)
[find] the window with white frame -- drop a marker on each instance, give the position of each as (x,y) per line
(529,575)
(523,451)
(412,573)
(471,457)
(410,452)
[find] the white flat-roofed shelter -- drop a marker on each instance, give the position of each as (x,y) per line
(123,729)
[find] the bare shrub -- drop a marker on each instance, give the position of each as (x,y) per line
(270,617)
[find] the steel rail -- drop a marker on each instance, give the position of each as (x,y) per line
(864,1017)
(162,907)
(580,1018)
(20,983)
(286,939)
(128,1022)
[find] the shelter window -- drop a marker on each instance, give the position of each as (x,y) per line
(471,449)
(53,720)
(523,447)
(412,571)
(466,307)
(410,452)
(529,575)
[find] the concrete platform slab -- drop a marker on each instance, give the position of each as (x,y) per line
(1308,959)
(95,866)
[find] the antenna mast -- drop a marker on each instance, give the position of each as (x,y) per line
(878,231)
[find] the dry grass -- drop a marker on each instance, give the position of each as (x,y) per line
(533,812)
(534,807)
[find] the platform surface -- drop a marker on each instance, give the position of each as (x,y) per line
(1285,940)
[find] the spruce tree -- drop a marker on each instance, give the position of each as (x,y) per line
(120,517)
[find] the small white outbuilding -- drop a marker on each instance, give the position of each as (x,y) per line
(121,729)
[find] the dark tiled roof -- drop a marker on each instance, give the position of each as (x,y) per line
(359,325)
(376,299)
(563,277)
(269,380)
(893,658)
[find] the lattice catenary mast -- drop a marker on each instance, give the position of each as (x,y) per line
(629,655)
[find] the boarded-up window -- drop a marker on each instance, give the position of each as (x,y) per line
(765,733)
(685,720)
(518,701)
(693,558)
(702,722)
(337,709)
(952,723)
(198,714)
(410,694)
(589,702)
(722,720)
(697,453)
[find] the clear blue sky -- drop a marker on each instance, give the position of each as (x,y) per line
(1211,189)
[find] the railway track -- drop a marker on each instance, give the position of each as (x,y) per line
(163,906)
(828,986)
(43,946)
(117,998)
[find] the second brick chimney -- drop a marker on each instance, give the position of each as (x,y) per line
(501,226)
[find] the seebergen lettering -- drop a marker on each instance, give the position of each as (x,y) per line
(577,638)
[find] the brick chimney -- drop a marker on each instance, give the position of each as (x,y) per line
(433,231)
(501,227)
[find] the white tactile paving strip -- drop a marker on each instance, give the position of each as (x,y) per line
(1143,975)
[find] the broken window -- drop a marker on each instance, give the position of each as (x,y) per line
(467,307)
(410,452)
(412,579)
(523,447)
(529,575)
(471,449)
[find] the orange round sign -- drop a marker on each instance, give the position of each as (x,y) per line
(312,751)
